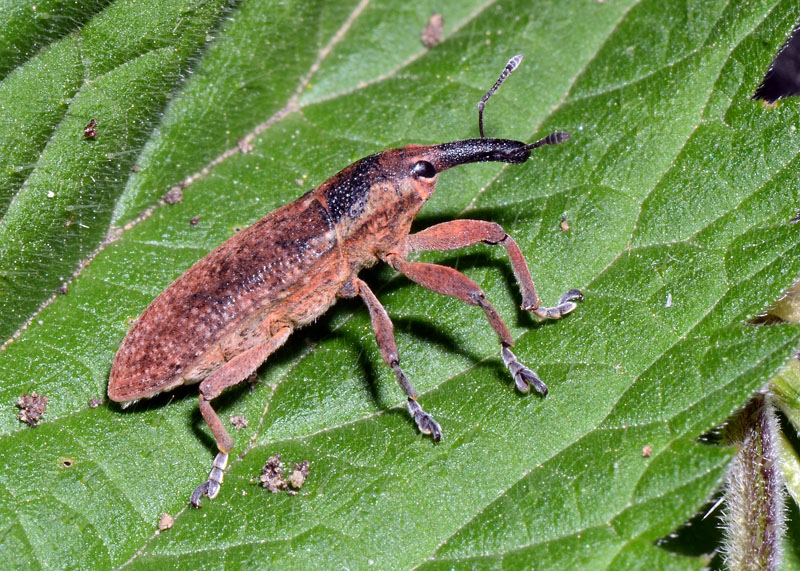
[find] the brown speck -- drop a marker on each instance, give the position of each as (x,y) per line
(646,451)
(432,33)
(244,146)
(174,195)
(95,402)
(298,477)
(238,421)
(89,131)
(564,224)
(194,221)
(252,380)
(63,289)
(32,406)
(272,474)
(135,168)
(166,521)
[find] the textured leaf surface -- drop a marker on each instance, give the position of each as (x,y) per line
(676,187)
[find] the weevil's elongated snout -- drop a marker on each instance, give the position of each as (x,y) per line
(456,153)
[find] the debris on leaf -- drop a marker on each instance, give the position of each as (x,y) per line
(90,132)
(252,380)
(174,195)
(95,402)
(646,451)
(298,477)
(32,406)
(272,474)
(244,146)
(238,421)
(194,221)
(564,224)
(166,521)
(432,33)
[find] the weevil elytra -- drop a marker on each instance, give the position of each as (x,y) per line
(219,321)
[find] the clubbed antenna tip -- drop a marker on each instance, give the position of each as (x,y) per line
(551,139)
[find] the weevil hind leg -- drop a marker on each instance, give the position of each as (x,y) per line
(384,335)
(231,373)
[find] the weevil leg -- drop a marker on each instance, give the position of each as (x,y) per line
(448,281)
(384,335)
(231,373)
(457,234)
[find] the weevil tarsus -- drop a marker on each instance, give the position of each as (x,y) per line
(211,486)
(512,64)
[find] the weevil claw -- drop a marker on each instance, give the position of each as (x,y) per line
(425,422)
(524,378)
(565,305)
(199,492)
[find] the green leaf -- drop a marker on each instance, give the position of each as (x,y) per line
(676,187)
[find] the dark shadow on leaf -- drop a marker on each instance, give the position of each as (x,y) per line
(700,536)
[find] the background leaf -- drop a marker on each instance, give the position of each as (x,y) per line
(676,187)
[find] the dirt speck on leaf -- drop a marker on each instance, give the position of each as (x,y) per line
(298,477)
(174,195)
(432,33)
(33,407)
(272,474)
(166,521)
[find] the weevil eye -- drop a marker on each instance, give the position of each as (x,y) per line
(423,169)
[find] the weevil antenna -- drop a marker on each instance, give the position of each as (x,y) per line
(551,139)
(512,64)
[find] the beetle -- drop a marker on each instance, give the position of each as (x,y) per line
(219,321)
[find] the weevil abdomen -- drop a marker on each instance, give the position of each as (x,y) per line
(231,300)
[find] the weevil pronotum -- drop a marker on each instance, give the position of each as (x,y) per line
(219,321)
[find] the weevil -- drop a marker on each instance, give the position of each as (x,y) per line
(219,321)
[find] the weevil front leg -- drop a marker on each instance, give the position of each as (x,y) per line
(231,373)
(448,281)
(384,335)
(457,234)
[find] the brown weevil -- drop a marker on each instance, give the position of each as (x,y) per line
(219,321)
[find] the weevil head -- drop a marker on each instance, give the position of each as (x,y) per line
(380,195)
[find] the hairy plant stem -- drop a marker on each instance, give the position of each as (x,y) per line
(754,515)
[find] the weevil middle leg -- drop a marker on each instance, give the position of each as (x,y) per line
(231,373)
(384,335)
